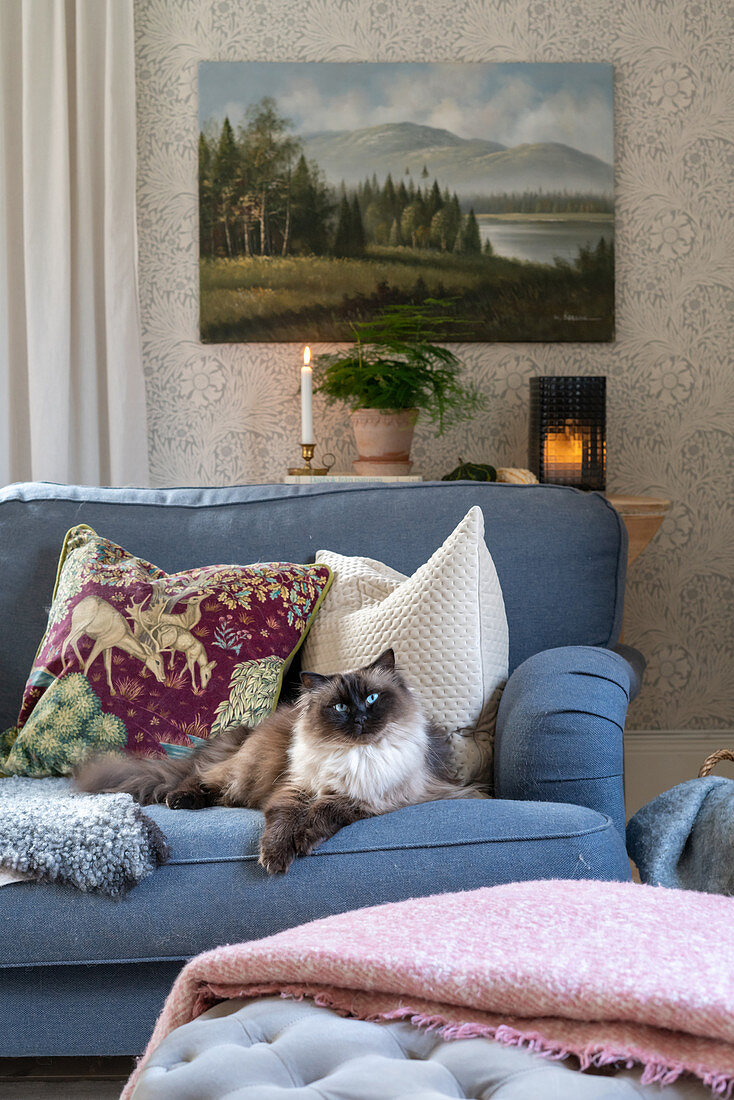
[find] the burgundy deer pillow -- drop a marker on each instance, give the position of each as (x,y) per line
(138,660)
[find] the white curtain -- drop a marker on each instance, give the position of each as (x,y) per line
(72,399)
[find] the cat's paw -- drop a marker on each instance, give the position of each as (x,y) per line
(305,840)
(276,856)
(188,798)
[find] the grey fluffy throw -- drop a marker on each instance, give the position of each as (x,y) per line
(99,843)
(684,838)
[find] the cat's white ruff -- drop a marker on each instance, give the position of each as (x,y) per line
(386,775)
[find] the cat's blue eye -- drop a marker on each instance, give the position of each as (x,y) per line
(340,708)
(372,698)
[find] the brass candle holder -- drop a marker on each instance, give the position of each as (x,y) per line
(307,470)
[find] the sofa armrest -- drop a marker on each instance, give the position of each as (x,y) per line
(560,726)
(637,664)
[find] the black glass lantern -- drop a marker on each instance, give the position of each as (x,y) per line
(567,443)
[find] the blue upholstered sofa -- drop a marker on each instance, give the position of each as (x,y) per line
(84,975)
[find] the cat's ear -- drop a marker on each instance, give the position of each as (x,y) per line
(312,680)
(386,660)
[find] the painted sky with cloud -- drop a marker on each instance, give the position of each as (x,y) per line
(508,103)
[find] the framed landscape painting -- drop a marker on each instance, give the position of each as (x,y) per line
(328,191)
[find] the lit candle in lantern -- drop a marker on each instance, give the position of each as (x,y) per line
(306,398)
(564,450)
(567,436)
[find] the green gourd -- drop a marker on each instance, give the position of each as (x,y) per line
(471,471)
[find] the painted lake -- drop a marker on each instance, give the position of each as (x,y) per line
(540,240)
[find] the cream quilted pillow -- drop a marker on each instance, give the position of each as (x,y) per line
(447,625)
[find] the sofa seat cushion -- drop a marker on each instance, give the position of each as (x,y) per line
(213,890)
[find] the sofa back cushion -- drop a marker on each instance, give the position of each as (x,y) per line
(560,554)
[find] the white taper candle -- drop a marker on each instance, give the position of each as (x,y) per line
(306,398)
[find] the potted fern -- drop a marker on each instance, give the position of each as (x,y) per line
(392,373)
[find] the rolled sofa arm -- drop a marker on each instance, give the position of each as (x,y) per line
(560,726)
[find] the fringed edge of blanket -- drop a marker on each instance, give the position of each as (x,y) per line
(653,1072)
(589,1055)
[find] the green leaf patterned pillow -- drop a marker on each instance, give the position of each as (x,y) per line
(145,662)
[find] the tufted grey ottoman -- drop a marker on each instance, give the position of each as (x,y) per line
(274,1049)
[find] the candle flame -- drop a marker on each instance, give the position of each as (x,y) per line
(564,449)
(306,356)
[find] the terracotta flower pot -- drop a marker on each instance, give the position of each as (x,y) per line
(383,440)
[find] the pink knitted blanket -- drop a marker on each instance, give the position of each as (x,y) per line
(603,970)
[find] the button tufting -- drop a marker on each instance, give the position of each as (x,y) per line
(285,1050)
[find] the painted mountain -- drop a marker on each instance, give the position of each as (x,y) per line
(332,193)
(468,166)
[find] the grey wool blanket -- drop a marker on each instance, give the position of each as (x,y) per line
(98,843)
(684,838)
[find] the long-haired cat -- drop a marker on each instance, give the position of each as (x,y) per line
(353,745)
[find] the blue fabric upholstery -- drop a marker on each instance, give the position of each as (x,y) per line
(86,975)
(636,663)
(560,726)
(213,892)
(80,1011)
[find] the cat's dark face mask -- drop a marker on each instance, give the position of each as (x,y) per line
(355,707)
(356,715)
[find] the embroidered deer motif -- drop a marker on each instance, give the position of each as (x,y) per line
(110,630)
(195,655)
(172,632)
(160,610)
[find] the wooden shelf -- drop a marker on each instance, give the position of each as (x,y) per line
(642,517)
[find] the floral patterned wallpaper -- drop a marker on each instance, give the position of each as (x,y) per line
(230,413)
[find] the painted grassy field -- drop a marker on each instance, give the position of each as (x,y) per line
(303,298)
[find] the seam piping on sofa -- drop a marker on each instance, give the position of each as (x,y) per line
(581,779)
(319,491)
(319,854)
(620,575)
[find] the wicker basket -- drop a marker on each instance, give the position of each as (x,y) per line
(711,761)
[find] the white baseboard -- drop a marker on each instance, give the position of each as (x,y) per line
(655,760)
